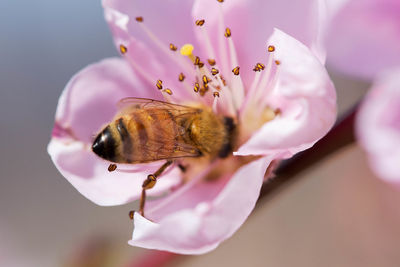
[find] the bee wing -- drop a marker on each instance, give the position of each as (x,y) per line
(156,145)
(127,104)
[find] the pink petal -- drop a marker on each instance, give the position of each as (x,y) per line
(198,221)
(364,37)
(168,22)
(86,104)
(378,126)
(306,97)
(252,22)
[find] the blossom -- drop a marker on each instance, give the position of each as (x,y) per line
(364,41)
(378,126)
(364,36)
(262,69)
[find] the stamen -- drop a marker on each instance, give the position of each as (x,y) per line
(211,62)
(261,66)
(139,19)
(206,79)
(123,49)
(196,87)
(131,214)
(203,91)
(197,61)
(236,70)
(214,71)
(112,167)
(277,62)
(221,1)
(271,48)
(200,22)
(172,47)
(181,77)
(228,33)
(159,84)
(168,91)
(216,94)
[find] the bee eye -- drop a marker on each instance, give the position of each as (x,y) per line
(104,145)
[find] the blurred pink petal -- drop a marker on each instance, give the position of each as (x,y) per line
(364,37)
(86,104)
(203,219)
(378,126)
(305,96)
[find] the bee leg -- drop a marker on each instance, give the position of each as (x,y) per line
(149,183)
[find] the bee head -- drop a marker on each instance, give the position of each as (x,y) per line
(104,145)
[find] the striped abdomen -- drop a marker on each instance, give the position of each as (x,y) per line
(144,135)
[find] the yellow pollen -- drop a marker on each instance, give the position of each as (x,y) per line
(187,50)
(236,70)
(181,77)
(200,22)
(196,61)
(214,71)
(159,84)
(271,48)
(211,62)
(123,49)
(168,91)
(216,94)
(206,79)
(173,47)
(277,62)
(139,19)
(228,33)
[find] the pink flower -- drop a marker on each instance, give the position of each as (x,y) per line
(364,36)
(378,126)
(282,107)
(364,40)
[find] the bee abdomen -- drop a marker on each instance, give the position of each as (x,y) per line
(104,145)
(126,140)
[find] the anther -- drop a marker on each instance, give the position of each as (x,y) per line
(260,66)
(202,91)
(200,65)
(173,47)
(277,62)
(112,167)
(181,77)
(197,61)
(168,91)
(223,80)
(131,214)
(206,79)
(159,84)
(216,94)
(196,87)
(200,22)
(271,48)
(211,62)
(228,32)
(123,49)
(139,19)
(214,71)
(236,70)
(149,182)
(221,1)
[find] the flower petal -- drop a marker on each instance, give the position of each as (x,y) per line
(378,126)
(252,22)
(86,104)
(208,219)
(306,97)
(364,37)
(148,42)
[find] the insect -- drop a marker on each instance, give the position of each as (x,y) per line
(147,130)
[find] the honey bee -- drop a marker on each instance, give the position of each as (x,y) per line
(147,130)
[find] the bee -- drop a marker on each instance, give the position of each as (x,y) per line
(147,130)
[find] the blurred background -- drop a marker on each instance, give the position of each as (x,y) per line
(335,214)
